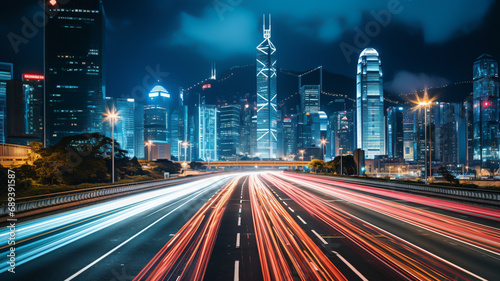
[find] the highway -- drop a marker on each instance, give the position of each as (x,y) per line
(261,226)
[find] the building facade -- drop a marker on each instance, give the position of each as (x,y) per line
(156,114)
(229,131)
(74,68)
(395,132)
(266,97)
(486,111)
(6,70)
(370,104)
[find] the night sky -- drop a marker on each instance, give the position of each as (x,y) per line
(424,43)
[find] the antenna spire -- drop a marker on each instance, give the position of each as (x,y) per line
(267,31)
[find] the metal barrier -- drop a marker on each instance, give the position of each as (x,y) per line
(465,193)
(47,200)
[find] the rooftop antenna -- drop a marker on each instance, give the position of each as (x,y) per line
(213,72)
(267,32)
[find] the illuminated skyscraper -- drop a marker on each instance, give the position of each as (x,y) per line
(229,131)
(486,111)
(156,114)
(395,132)
(126,125)
(370,104)
(266,97)
(5,76)
(74,68)
(206,123)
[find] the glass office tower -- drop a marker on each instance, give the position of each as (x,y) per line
(5,76)
(156,114)
(485,110)
(229,131)
(266,97)
(74,68)
(370,104)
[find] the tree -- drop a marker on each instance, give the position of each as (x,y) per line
(316,165)
(348,165)
(84,158)
(165,165)
(197,165)
(443,171)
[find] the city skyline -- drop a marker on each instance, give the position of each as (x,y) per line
(425,67)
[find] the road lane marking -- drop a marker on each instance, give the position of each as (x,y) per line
(284,203)
(240,210)
(303,221)
(236,270)
(237,240)
(291,210)
(239,221)
(126,241)
(350,266)
(319,236)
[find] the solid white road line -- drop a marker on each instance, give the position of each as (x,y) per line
(303,221)
(236,270)
(237,240)
(350,266)
(320,238)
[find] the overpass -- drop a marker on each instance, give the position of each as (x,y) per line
(255,164)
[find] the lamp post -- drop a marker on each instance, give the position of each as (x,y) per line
(302,152)
(323,143)
(179,150)
(149,144)
(341,171)
(185,145)
(425,103)
(112,116)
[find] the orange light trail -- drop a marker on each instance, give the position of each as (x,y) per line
(405,259)
(188,252)
(280,239)
(482,236)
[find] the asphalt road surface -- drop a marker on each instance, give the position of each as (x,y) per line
(260,226)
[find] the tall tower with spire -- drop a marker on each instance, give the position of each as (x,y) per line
(267,119)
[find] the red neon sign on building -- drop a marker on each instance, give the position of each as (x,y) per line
(33,76)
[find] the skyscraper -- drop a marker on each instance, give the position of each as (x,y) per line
(370,104)
(486,111)
(5,76)
(74,68)
(290,135)
(179,131)
(126,125)
(156,114)
(309,99)
(207,119)
(229,131)
(342,135)
(33,95)
(266,96)
(395,132)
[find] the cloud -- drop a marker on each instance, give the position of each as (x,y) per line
(214,36)
(231,27)
(407,82)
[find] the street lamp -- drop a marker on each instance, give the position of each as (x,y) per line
(302,152)
(149,144)
(323,143)
(185,145)
(425,103)
(341,172)
(112,116)
(179,150)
